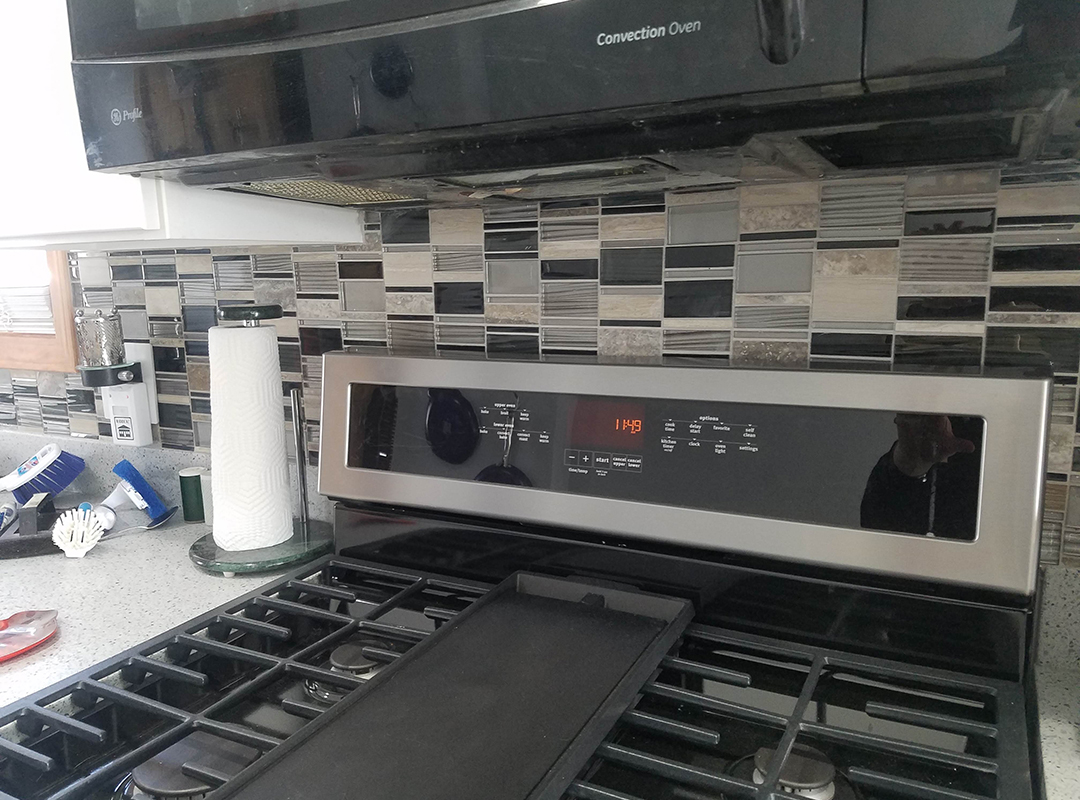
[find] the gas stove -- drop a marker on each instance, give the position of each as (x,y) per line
(465,641)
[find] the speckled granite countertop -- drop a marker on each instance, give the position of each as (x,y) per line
(120,594)
(1059,730)
(1057,678)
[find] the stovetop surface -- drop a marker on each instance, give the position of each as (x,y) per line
(728,714)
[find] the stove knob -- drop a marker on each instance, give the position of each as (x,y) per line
(391,72)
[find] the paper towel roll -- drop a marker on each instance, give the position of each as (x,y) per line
(249,466)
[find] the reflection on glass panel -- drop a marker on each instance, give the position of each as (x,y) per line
(171,13)
(852,468)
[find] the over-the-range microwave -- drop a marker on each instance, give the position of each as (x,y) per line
(435,99)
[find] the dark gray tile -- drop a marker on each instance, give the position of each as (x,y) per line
(199,319)
(950,221)
(289,357)
(359,269)
(509,345)
(632,203)
(127,272)
(632,266)
(407,226)
(1035,299)
(197,347)
(689,257)
(697,299)
(316,341)
(849,365)
(169,359)
(174,415)
(937,351)
(1008,345)
(569,269)
(1049,221)
(511,241)
(941,308)
(1037,258)
(459,298)
(867,345)
(160,272)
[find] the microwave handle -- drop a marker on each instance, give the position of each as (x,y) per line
(781,28)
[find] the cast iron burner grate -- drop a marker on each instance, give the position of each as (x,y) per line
(732,715)
(722,706)
(184,712)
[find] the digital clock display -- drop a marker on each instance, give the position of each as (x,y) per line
(616,426)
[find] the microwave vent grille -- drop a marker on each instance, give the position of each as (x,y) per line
(338,194)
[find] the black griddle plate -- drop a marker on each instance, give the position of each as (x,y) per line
(506,702)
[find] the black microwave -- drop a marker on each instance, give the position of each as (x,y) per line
(462,95)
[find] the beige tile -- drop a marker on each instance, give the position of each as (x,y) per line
(456,225)
(575,249)
(408,268)
(849,263)
(318,309)
(742,299)
(631,306)
(129,293)
(777,218)
(630,345)
(854,300)
(778,194)
(959,328)
(194,264)
(1039,200)
(1045,318)
(694,324)
(527,313)
(952,183)
(198,376)
(410,303)
(792,355)
(1070,278)
(1060,450)
(163,301)
(633,226)
(285,327)
(945,289)
(85,425)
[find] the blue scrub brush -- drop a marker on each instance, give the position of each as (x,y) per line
(134,487)
(50,470)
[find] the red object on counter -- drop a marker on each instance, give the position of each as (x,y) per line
(24,631)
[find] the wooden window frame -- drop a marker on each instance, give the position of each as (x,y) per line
(55,352)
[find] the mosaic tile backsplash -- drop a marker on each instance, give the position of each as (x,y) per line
(937,272)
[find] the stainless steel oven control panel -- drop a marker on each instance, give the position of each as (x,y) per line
(926,476)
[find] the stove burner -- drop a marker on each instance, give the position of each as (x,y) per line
(806,774)
(350,657)
(163,776)
(347,659)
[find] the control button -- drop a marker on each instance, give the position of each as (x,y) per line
(571,457)
(633,463)
(602,460)
(391,72)
(585,458)
(618,462)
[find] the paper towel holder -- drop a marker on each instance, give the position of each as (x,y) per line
(311,538)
